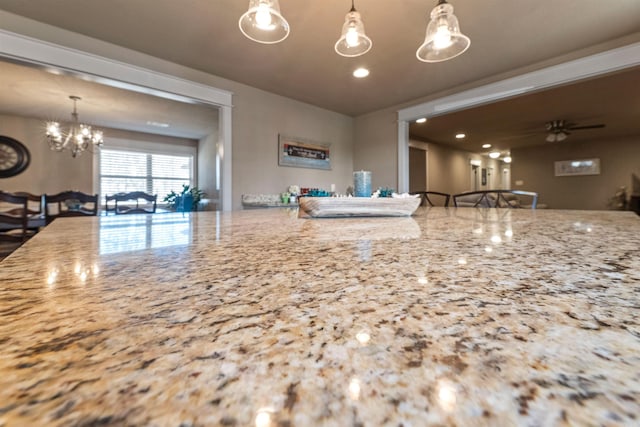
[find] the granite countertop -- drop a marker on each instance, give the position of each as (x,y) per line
(452,317)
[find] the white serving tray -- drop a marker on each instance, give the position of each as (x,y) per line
(332,207)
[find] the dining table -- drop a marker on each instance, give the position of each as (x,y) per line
(263,317)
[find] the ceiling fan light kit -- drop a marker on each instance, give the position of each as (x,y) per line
(263,23)
(559,130)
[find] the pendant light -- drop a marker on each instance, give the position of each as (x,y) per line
(444,39)
(353,41)
(263,22)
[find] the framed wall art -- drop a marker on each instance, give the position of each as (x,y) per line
(577,167)
(303,153)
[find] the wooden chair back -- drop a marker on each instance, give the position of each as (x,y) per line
(35,202)
(494,199)
(428,201)
(135,202)
(109,203)
(13,222)
(70,203)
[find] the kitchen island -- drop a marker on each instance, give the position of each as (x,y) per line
(465,317)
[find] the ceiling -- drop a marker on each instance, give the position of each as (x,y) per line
(204,34)
(612,100)
(33,92)
(506,35)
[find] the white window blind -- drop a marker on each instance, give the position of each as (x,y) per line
(126,171)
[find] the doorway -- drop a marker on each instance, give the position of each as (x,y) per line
(506,178)
(474,184)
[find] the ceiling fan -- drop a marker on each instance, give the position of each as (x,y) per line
(558,130)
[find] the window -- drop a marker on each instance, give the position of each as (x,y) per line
(126,171)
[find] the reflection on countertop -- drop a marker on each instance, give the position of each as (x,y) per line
(466,317)
(123,233)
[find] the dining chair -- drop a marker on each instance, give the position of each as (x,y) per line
(426,201)
(13,222)
(475,199)
(70,203)
(495,199)
(35,210)
(110,199)
(514,199)
(135,202)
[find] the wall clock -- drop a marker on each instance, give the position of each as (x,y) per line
(14,157)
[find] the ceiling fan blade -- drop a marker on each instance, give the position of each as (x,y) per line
(586,127)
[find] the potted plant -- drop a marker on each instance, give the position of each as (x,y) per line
(187,200)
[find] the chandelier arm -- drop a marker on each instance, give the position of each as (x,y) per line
(77,139)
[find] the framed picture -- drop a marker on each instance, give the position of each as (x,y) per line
(577,167)
(302,153)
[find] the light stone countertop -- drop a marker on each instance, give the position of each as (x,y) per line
(452,317)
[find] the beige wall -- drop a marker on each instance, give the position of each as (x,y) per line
(449,170)
(207,170)
(376,147)
(417,169)
(49,171)
(619,159)
(258,118)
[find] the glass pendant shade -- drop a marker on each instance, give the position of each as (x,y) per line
(556,136)
(263,22)
(353,41)
(443,39)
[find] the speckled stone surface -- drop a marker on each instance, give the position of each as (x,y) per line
(452,317)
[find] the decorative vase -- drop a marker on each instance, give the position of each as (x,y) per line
(186,203)
(362,184)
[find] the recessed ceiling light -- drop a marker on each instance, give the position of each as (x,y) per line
(507,159)
(360,73)
(460,135)
(158,124)
(422,120)
(494,154)
(486,145)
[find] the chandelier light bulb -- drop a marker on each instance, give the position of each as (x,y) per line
(353,41)
(263,23)
(78,139)
(443,39)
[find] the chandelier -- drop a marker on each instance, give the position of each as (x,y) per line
(264,23)
(77,138)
